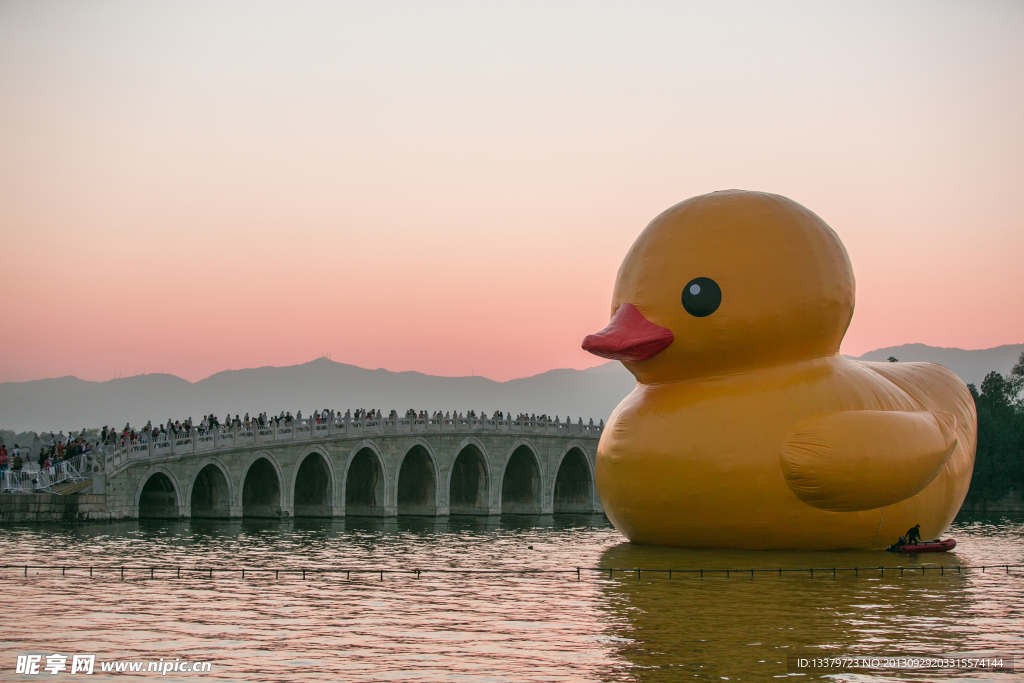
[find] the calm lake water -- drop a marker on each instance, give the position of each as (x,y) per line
(454,627)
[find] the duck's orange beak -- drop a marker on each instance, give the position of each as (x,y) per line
(629,337)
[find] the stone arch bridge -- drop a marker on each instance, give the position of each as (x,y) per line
(379,468)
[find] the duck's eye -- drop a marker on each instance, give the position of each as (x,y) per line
(701,297)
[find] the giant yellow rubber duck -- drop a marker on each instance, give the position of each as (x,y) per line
(747,428)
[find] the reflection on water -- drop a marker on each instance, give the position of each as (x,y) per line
(454,627)
(743,627)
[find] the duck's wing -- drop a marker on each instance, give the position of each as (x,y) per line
(862,460)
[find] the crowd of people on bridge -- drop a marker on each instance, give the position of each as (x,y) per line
(53,450)
(63,447)
(211,423)
(16,462)
(183,429)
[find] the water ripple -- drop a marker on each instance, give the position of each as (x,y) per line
(455,627)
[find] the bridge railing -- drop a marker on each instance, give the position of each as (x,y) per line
(27,481)
(110,458)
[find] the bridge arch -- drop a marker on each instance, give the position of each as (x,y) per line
(573,487)
(522,480)
(365,481)
(262,492)
(468,483)
(210,491)
(158,495)
(416,483)
(313,484)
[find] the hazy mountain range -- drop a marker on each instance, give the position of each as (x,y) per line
(70,403)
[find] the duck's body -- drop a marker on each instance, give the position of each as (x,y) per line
(744,433)
(700,464)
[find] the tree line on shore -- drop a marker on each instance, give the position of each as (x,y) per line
(999,465)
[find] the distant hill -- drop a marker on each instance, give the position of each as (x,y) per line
(970,366)
(68,403)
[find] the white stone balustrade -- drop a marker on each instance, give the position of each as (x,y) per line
(113,458)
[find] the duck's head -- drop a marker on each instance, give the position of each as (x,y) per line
(727,282)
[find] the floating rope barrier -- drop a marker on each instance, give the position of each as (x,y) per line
(176,571)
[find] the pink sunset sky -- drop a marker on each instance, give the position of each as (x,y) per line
(450,187)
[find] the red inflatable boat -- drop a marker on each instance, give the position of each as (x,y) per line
(925,547)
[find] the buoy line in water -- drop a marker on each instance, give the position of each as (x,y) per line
(177,572)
